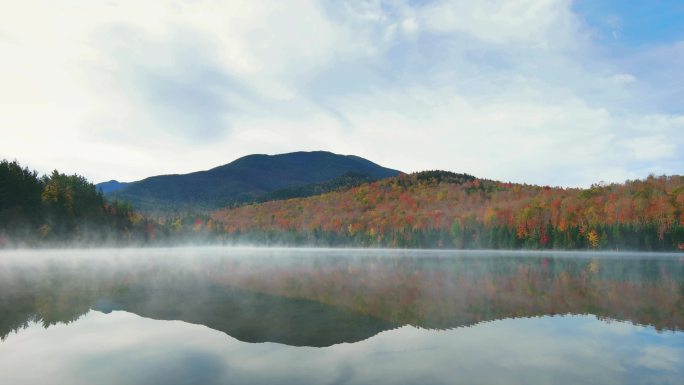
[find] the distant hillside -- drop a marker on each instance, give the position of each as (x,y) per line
(444,209)
(244,180)
(110,186)
(344,182)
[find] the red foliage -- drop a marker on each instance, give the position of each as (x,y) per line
(404,203)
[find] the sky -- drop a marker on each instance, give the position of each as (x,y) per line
(552,92)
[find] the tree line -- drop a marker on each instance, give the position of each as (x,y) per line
(438,209)
(59,208)
(431,209)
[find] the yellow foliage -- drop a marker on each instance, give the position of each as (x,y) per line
(593,238)
(52,192)
(136,218)
(176,224)
(490,215)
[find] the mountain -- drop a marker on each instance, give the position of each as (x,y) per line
(244,180)
(344,182)
(110,186)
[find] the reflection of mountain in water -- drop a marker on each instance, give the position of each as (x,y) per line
(249,317)
(320,301)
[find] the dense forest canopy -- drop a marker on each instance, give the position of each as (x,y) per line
(443,209)
(431,209)
(59,208)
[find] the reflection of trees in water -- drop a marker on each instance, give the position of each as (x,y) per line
(320,301)
(446,293)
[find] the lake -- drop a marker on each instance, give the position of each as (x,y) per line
(318,316)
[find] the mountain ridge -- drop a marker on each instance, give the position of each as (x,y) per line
(243,180)
(110,186)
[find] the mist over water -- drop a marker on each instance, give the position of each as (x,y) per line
(268,315)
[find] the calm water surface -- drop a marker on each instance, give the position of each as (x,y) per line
(298,316)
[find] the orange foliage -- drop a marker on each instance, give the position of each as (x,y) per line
(405,203)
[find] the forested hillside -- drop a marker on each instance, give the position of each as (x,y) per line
(59,209)
(246,179)
(344,182)
(433,209)
(442,209)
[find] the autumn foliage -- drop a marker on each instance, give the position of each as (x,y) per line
(442,209)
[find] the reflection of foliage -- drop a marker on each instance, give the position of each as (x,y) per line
(57,299)
(593,266)
(423,293)
(233,294)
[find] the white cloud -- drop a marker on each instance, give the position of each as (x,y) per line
(623,78)
(511,90)
(530,22)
